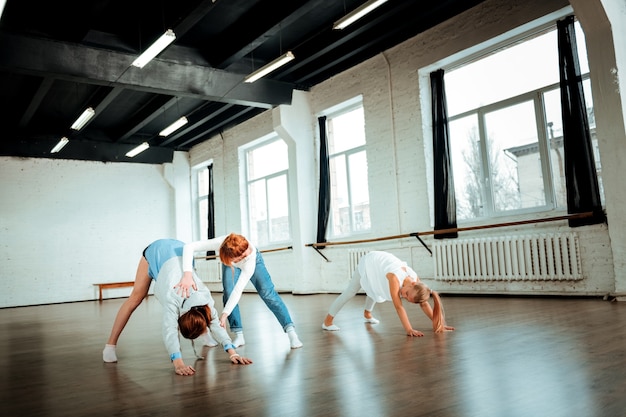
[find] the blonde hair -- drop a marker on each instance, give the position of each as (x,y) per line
(422,294)
(193,323)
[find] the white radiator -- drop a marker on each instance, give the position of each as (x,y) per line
(513,258)
(354,255)
(212,271)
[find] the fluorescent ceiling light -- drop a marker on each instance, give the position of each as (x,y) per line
(84,118)
(60,145)
(263,71)
(174,126)
(357,13)
(156,48)
(2,4)
(135,151)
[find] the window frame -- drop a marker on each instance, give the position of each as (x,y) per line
(331,113)
(491,46)
(197,200)
(245,190)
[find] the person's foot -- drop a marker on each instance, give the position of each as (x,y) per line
(239,339)
(108,354)
(207,340)
(331,328)
(294,341)
(372,320)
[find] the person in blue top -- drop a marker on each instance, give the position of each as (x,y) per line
(194,314)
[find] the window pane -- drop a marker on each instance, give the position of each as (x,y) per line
(467,171)
(532,63)
(340,204)
(514,159)
(267,159)
(552,104)
(359,191)
(278,208)
(203,182)
(257,210)
(203,217)
(347,131)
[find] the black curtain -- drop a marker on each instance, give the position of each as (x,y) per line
(583,191)
(445,203)
(323,209)
(211,210)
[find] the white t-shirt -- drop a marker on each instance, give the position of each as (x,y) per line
(374,267)
(247,266)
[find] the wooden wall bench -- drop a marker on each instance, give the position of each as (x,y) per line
(105,285)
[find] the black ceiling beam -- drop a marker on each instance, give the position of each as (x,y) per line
(85,150)
(246,45)
(78,63)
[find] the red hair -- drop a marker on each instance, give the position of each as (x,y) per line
(232,248)
(193,323)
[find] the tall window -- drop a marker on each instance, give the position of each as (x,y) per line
(268,192)
(201,191)
(350,202)
(506,135)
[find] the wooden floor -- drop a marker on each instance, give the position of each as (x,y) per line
(508,357)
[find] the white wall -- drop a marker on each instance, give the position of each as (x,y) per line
(65,225)
(398,135)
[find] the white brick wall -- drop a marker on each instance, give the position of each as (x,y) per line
(67,224)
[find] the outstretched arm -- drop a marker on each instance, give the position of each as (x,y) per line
(181,369)
(186,283)
(394,289)
(238,359)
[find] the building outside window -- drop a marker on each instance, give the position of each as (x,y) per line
(506,135)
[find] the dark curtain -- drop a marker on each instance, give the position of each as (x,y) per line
(323,209)
(211,210)
(583,192)
(445,203)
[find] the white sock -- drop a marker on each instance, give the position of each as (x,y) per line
(239,340)
(108,354)
(293,339)
(208,340)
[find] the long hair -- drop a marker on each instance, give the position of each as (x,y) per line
(439,320)
(193,323)
(423,293)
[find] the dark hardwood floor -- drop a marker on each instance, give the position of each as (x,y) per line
(508,357)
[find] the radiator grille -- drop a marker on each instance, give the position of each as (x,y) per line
(513,258)
(354,255)
(213,271)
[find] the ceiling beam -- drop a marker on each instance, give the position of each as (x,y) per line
(77,63)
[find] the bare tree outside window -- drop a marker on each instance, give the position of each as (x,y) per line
(506,137)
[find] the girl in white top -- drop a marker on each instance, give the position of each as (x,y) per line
(384,277)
